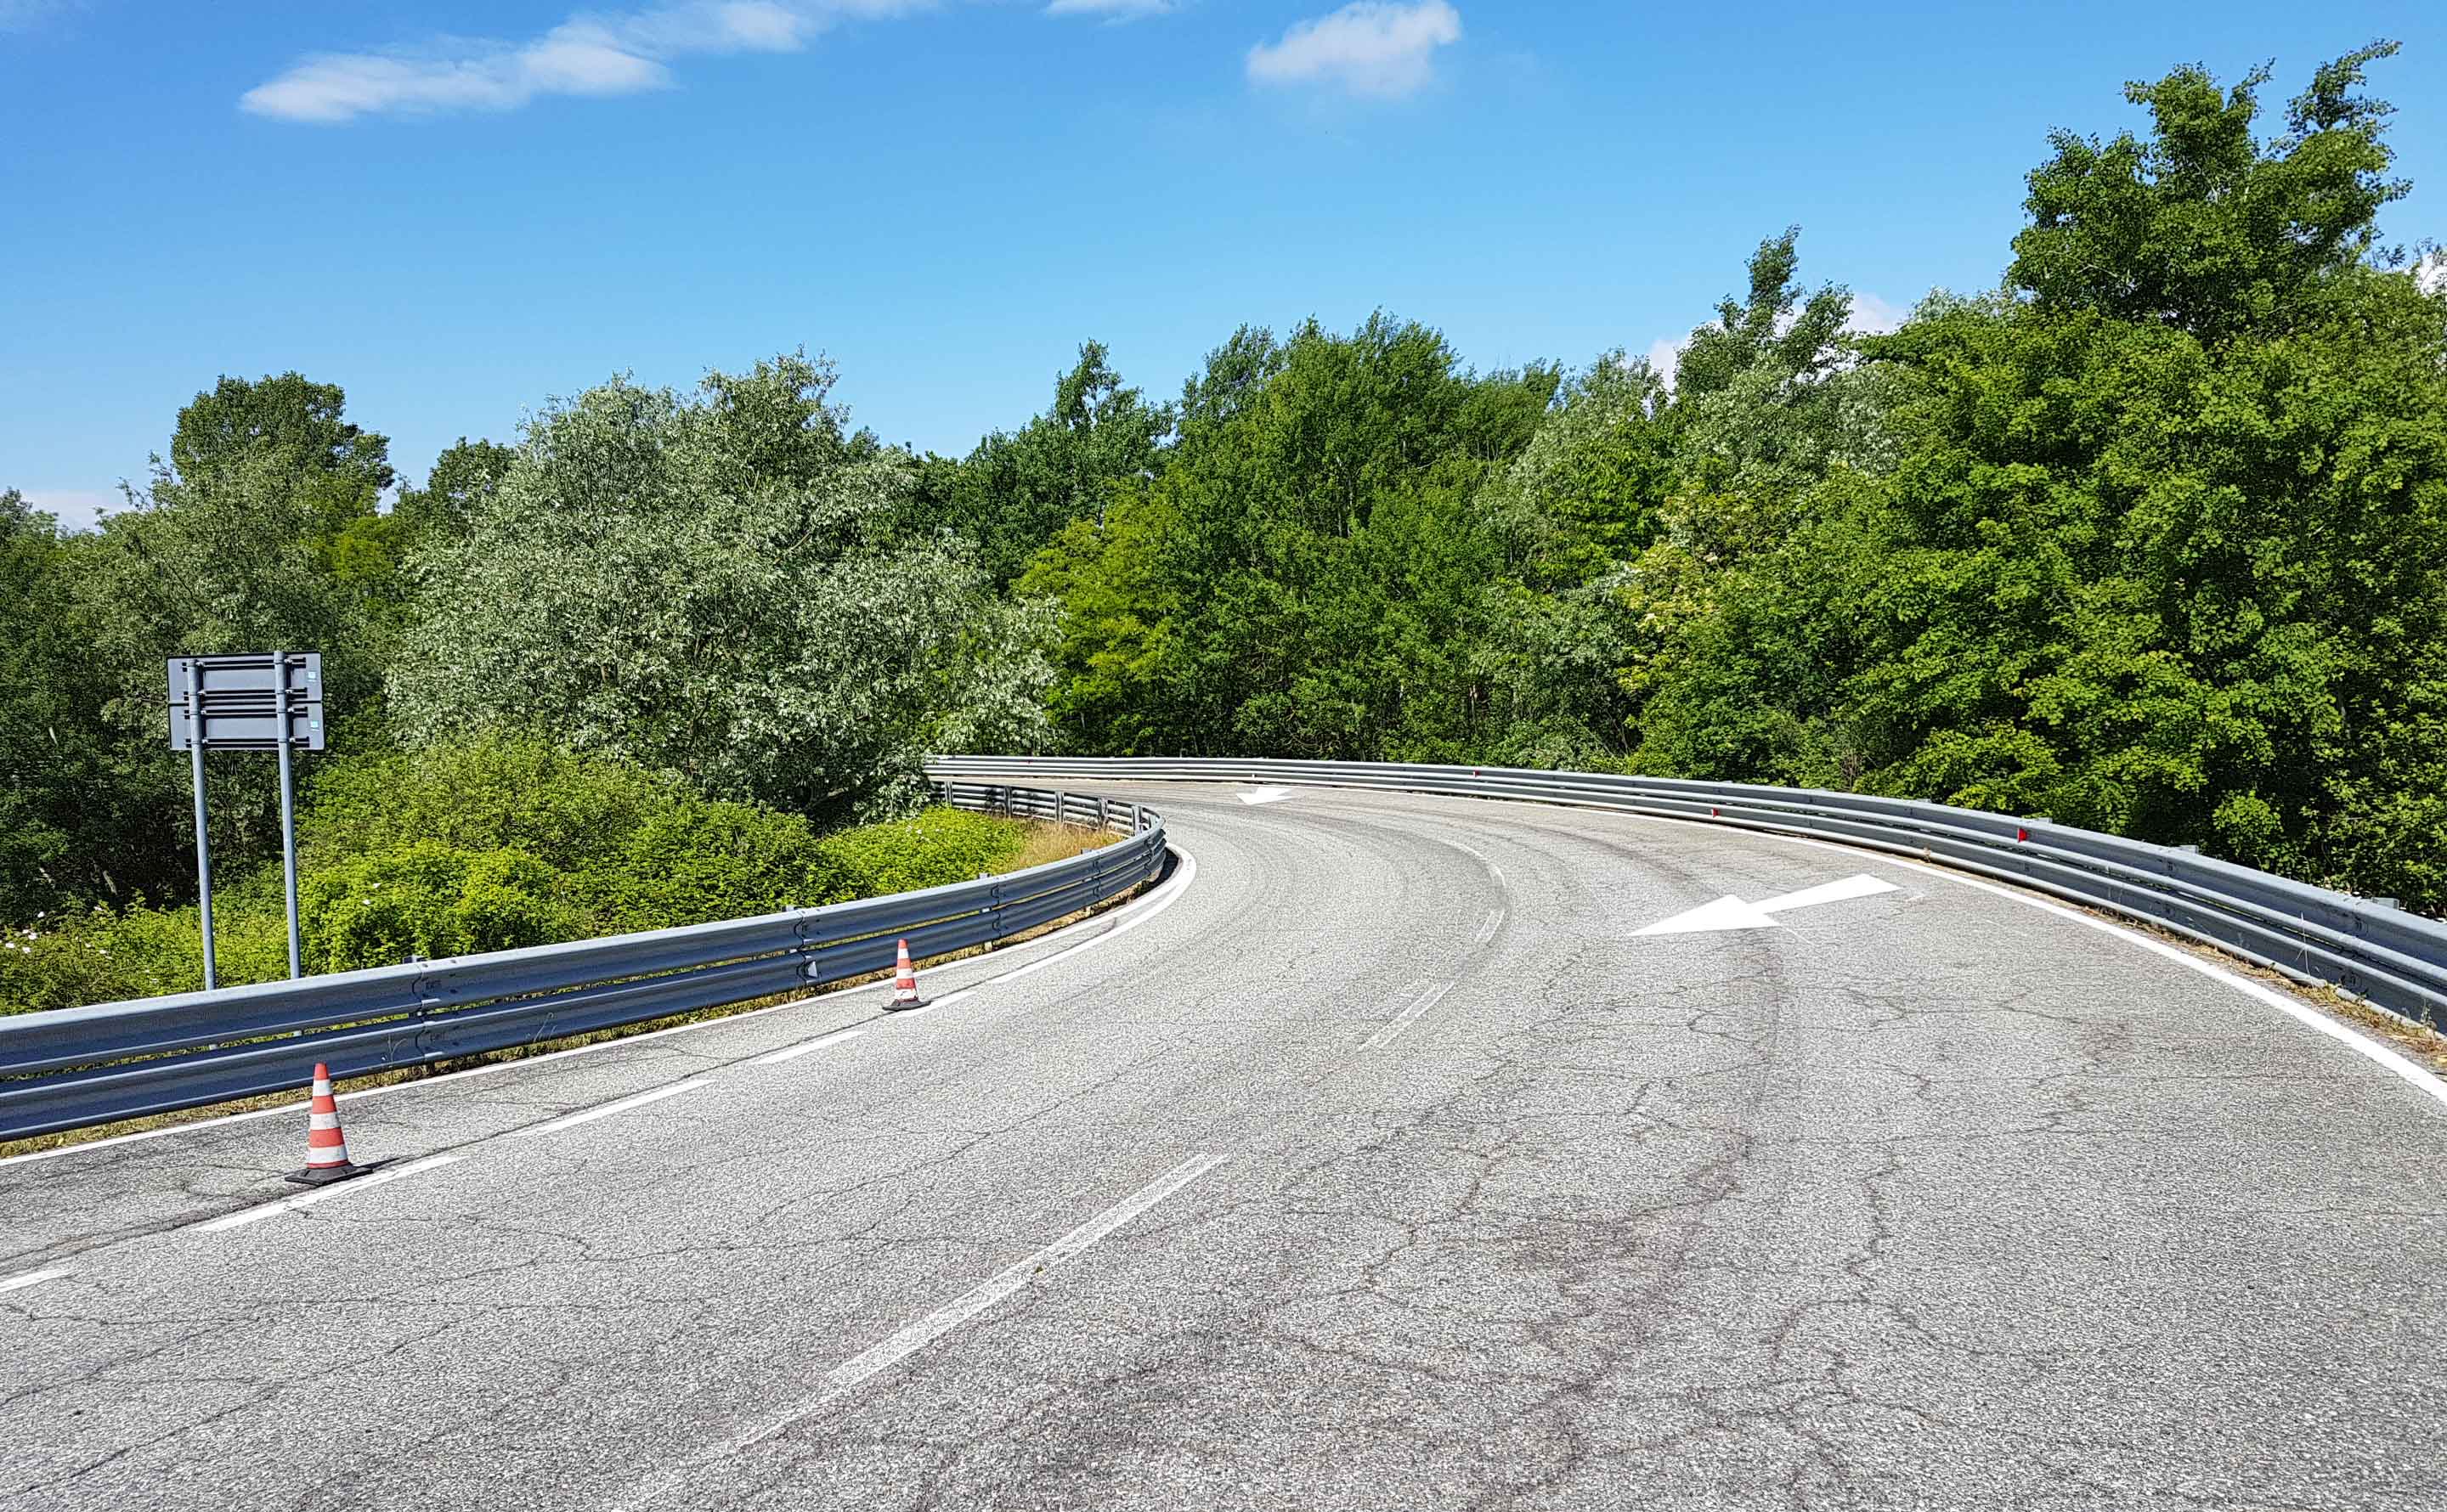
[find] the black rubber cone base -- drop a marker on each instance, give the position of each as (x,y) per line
(324,1174)
(904,1008)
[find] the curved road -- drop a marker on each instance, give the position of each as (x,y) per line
(1382,1163)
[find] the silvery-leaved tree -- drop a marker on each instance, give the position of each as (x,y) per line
(711,586)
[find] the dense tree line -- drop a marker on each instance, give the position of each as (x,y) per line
(2148,538)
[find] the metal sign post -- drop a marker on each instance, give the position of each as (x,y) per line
(289,835)
(195,682)
(263,700)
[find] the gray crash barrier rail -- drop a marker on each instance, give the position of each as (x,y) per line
(74,1067)
(2366,947)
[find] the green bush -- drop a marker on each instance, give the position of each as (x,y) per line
(492,844)
(430,899)
(929,849)
(105,955)
(492,792)
(697,862)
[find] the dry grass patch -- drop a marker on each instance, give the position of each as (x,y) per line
(1058,842)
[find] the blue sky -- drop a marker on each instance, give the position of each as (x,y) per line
(458,210)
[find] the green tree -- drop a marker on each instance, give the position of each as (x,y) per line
(1729,616)
(1299,577)
(49,757)
(465,473)
(2160,549)
(241,546)
(713,587)
(298,422)
(1018,490)
(238,556)
(2199,226)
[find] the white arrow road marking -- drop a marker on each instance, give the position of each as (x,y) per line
(1731,913)
(1725,913)
(1265,795)
(1862,885)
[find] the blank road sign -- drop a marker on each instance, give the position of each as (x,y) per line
(241,701)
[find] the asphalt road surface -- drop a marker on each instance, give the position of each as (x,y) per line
(1383,1162)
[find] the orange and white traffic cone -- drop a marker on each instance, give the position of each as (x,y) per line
(904,982)
(327,1148)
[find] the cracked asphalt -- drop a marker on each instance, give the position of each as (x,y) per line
(1929,1199)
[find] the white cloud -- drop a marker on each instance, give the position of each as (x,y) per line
(587,54)
(1873,316)
(1371,47)
(75,508)
(1117,10)
(2432,273)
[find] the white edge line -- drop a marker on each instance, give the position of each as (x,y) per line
(807,1047)
(1410,1016)
(32,1278)
(1127,914)
(621,1105)
(2415,1074)
(1156,903)
(2419,1076)
(291,1205)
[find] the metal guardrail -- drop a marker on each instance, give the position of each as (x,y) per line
(2391,958)
(73,1066)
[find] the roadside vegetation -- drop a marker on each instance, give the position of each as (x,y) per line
(495,843)
(2149,538)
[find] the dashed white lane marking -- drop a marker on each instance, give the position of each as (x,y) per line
(1265,795)
(1410,1016)
(945,1001)
(986,1293)
(1127,919)
(291,1205)
(1487,931)
(32,1278)
(808,1048)
(1482,858)
(609,1108)
(846,1376)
